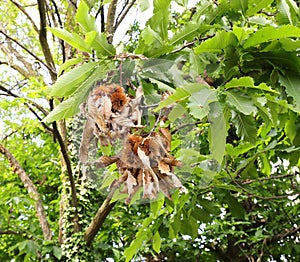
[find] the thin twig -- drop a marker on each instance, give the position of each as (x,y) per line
(247,182)
(26,49)
(124,12)
(26,14)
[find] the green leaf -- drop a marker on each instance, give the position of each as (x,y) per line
(241,103)
(292,87)
(69,82)
(284,15)
(70,106)
(188,32)
(201,215)
(237,5)
(180,94)
(143,5)
(142,235)
(101,45)
(156,206)
(271,33)
(156,242)
(199,102)
(197,66)
(57,252)
(71,38)
(245,127)
(218,43)
(218,132)
(247,81)
(68,63)
(235,207)
(86,21)
(189,226)
(160,19)
(258,5)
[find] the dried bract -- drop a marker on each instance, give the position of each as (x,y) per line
(145,162)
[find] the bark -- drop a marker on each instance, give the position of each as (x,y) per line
(44,41)
(110,20)
(32,191)
(99,218)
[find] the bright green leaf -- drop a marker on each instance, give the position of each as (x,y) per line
(101,45)
(218,43)
(70,106)
(272,33)
(257,6)
(218,132)
(71,38)
(188,33)
(69,82)
(156,242)
(86,21)
(68,63)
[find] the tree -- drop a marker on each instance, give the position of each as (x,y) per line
(209,96)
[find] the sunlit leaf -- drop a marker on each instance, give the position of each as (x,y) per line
(218,43)
(71,38)
(271,33)
(218,132)
(86,21)
(156,242)
(70,106)
(69,82)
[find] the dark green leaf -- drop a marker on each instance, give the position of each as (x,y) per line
(292,87)
(245,126)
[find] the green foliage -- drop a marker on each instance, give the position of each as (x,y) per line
(229,75)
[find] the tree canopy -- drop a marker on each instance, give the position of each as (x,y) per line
(171,139)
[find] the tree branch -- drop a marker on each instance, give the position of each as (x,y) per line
(246,182)
(99,218)
(26,49)
(110,20)
(22,9)
(32,191)
(44,41)
(65,157)
(9,92)
(123,14)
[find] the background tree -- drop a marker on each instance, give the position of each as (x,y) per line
(226,75)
